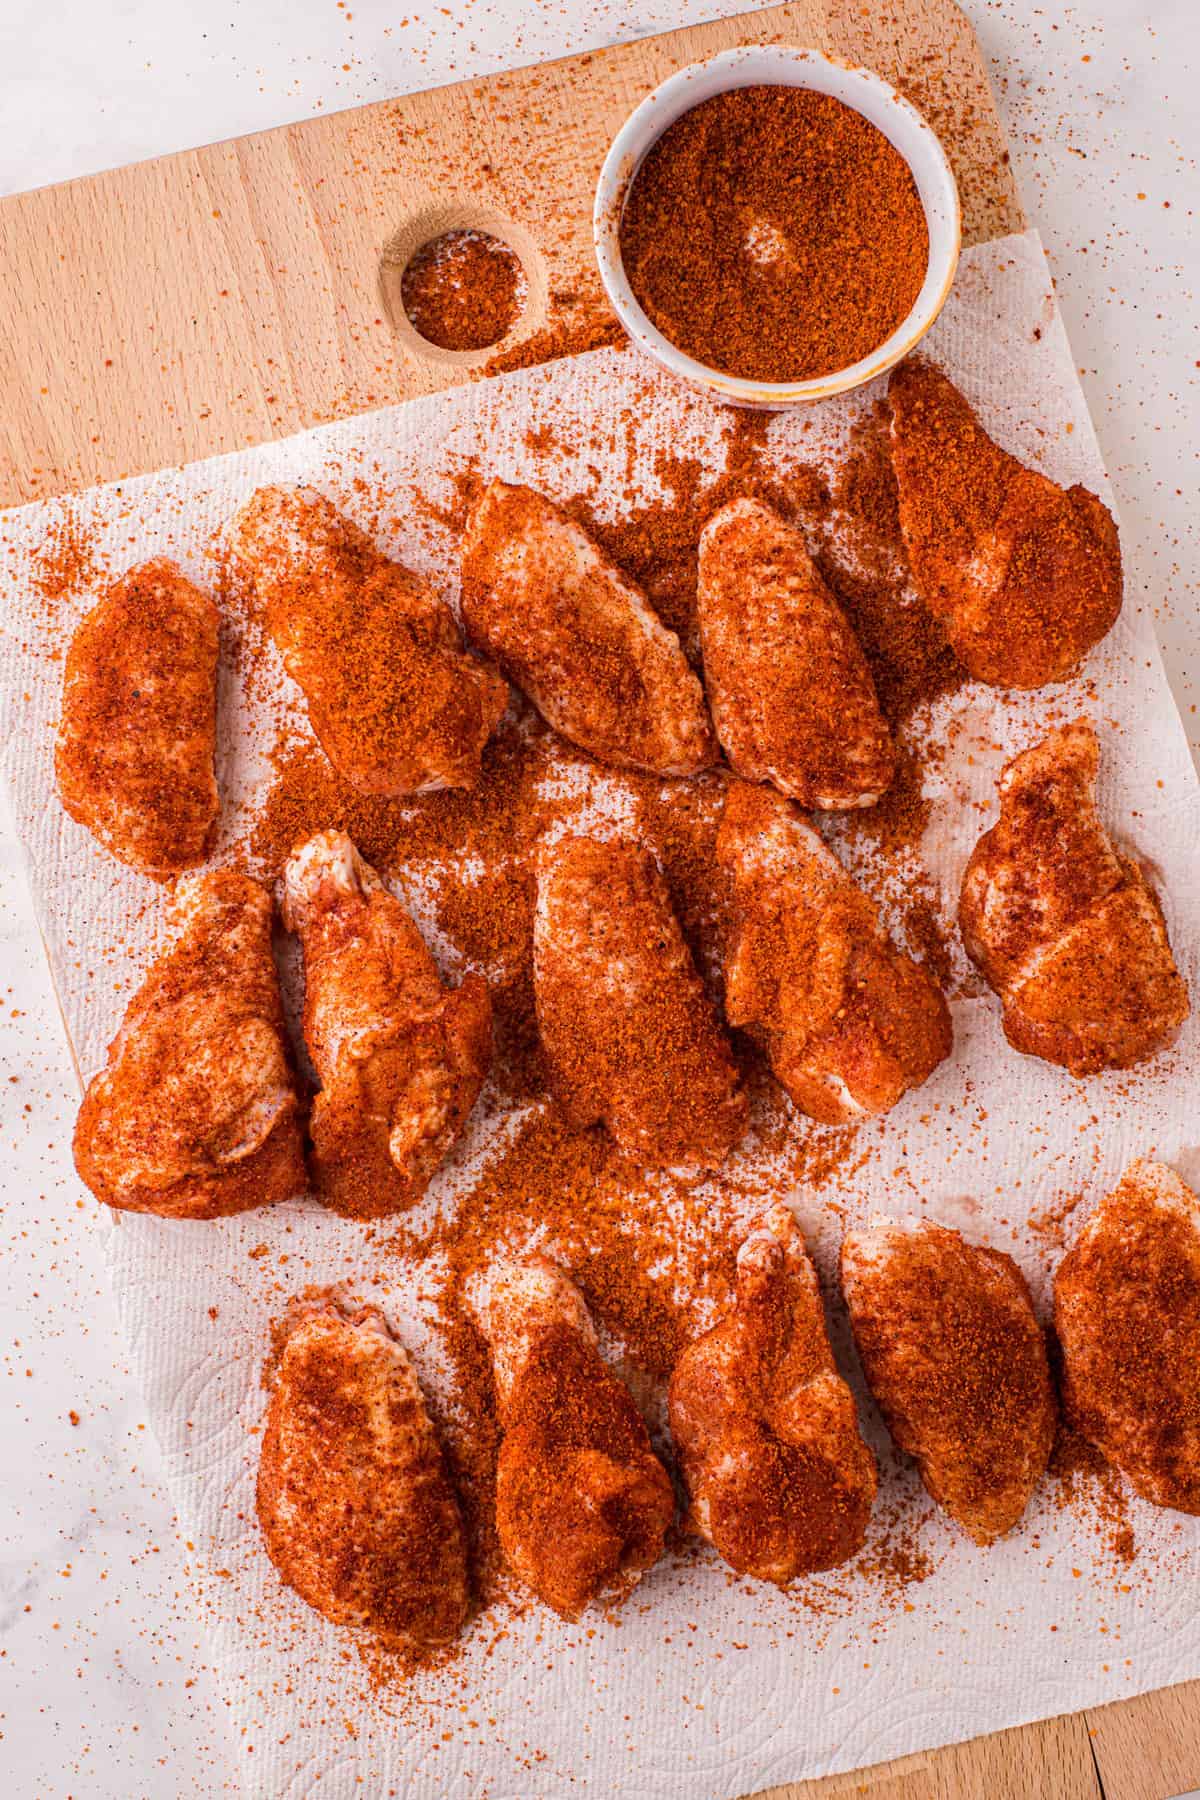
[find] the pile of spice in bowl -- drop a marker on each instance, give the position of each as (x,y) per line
(775,233)
(776,226)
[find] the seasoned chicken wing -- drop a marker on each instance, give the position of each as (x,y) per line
(355,1504)
(1025,576)
(953,1353)
(134,755)
(1066,929)
(195,1114)
(582,1502)
(1127,1313)
(848,1021)
(398,706)
(630,1036)
(570,630)
(401,1058)
(780,1481)
(792,696)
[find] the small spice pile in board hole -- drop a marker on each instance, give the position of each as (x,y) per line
(775,234)
(463,290)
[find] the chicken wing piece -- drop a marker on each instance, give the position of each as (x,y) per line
(630,1036)
(195,1114)
(134,755)
(398,706)
(1127,1313)
(401,1058)
(792,696)
(1025,576)
(582,1502)
(848,1021)
(954,1355)
(355,1504)
(780,1481)
(580,639)
(1064,928)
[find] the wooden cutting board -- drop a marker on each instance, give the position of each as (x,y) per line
(229,295)
(237,293)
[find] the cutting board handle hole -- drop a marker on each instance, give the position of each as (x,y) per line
(458,282)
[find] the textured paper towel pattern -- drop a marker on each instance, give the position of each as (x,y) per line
(707,1686)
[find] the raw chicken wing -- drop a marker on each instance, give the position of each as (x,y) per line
(956,1359)
(397,704)
(1025,576)
(1127,1313)
(780,1481)
(401,1058)
(848,1021)
(195,1114)
(579,638)
(356,1508)
(1064,928)
(582,1502)
(630,1036)
(134,756)
(791,693)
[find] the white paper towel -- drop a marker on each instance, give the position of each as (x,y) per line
(706,1686)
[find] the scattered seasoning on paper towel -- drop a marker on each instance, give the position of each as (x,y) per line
(653,1256)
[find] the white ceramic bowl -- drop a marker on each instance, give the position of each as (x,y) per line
(775,65)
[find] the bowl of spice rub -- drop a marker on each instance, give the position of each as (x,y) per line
(774,226)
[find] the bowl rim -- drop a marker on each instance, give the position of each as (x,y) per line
(754,65)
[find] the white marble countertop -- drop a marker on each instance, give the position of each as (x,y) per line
(104,1688)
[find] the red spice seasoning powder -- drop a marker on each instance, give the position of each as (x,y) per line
(463,290)
(774,233)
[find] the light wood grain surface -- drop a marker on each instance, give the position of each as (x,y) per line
(1048,1761)
(233,294)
